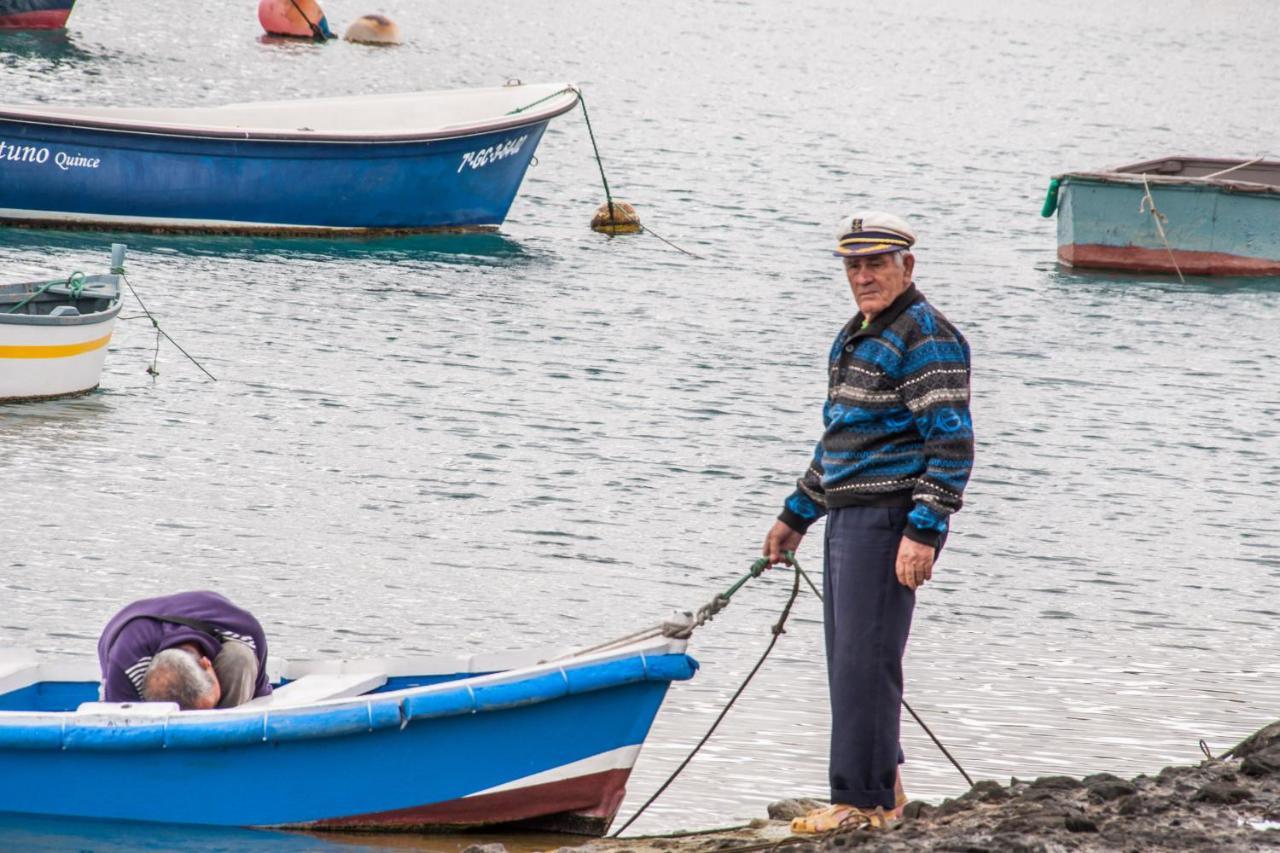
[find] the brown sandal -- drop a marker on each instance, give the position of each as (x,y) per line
(840,816)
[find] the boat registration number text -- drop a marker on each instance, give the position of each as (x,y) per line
(492,154)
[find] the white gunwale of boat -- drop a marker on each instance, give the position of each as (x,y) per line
(105,287)
(403,117)
(491,668)
(1221,178)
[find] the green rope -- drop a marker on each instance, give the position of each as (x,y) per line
(152,369)
(613,219)
(582,102)
(74,283)
(778,629)
(519,110)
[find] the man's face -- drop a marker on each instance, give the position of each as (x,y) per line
(877,280)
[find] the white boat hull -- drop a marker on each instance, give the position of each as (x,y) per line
(54,334)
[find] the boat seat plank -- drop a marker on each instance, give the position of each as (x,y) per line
(15,675)
(318,687)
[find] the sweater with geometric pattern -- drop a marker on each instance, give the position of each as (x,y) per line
(896,424)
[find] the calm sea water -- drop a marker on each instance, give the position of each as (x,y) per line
(474,442)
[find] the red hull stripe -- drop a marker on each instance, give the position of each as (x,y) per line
(1098,256)
(596,795)
(46,19)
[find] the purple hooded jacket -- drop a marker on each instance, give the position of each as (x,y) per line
(131,639)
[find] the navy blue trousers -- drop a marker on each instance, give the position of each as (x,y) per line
(867,617)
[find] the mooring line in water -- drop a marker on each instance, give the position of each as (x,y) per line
(914,715)
(614,223)
(152,369)
(704,615)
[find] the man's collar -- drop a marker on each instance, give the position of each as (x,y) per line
(885,318)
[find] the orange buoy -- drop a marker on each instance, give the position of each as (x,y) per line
(301,18)
(624,219)
(373,29)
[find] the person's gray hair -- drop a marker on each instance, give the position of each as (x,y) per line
(899,257)
(175,676)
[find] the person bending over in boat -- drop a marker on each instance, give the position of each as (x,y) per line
(888,472)
(193,648)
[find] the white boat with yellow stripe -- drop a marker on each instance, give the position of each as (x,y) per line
(54,334)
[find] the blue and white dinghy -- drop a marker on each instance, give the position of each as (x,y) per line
(546,738)
(420,161)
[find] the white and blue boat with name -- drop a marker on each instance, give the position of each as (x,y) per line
(425,161)
(545,738)
(1184,215)
(54,334)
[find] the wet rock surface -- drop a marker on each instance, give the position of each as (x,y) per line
(1232,804)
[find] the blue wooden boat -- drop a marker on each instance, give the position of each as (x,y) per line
(34,14)
(380,163)
(538,738)
(1188,215)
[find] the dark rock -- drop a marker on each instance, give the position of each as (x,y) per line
(1263,762)
(1032,825)
(986,791)
(1257,742)
(788,809)
(1130,806)
(1041,795)
(1169,774)
(1100,777)
(917,810)
(1056,783)
(1106,790)
(950,807)
(1223,793)
(1080,823)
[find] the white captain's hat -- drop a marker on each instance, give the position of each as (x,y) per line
(872,232)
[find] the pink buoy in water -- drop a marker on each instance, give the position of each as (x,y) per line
(301,18)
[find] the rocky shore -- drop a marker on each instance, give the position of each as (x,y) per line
(1232,803)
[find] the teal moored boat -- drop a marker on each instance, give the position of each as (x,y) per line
(1183,215)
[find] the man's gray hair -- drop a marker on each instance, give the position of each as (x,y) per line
(175,676)
(899,257)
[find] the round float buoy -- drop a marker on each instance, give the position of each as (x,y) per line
(300,18)
(624,220)
(373,29)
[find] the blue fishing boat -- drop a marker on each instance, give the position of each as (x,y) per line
(544,738)
(34,14)
(1184,215)
(424,161)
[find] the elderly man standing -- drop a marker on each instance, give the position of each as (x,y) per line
(193,648)
(888,472)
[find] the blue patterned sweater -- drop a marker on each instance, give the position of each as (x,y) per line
(897,430)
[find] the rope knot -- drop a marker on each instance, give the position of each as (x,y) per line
(679,625)
(708,611)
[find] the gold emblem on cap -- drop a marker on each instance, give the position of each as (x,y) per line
(856,225)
